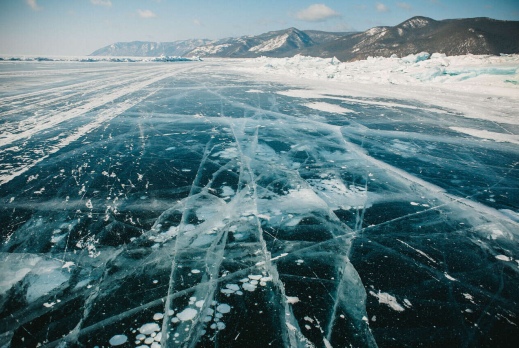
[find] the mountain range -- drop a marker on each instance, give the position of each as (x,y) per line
(417,34)
(150,49)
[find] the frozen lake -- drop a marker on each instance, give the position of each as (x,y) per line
(191,205)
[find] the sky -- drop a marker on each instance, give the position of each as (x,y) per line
(79,27)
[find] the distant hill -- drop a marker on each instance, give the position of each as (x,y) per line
(452,37)
(149,49)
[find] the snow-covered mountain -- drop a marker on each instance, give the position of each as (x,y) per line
(281,43)
(149,49)
(451,37)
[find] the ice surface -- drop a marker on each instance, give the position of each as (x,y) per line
(198,205)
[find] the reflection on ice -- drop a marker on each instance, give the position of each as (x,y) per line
(223,213)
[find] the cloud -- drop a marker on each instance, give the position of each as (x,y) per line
(316,13)
(381,7)
(146,14)
(197,22)
(106,3)
(33,4)
(404,5)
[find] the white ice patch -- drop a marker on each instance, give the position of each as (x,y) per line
(279,257)
(47,275)
(227,191)
(248,287)
(339,196)
(158,316)
(449,277)
(468,296)
(149,328)
(118,340)
(503,258)
(14,267)
(495,234)
(418,251)
(32,177)
(404,149)
(223,308)
(327,343)
(511,214)
(389,300)
(67,265)
(187,314)
(229,153)
(484,134)
(327,107)
(298,201)
(292,299)
(233,287)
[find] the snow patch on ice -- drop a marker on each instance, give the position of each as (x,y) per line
(390,300)
(327,107)
(450,277)
(484,134)
(503,258)
(292,299)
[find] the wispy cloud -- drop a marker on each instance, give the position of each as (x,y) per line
(146,14)
(404,5)
(316,13)
(197,22)
(33,4)
(381,7)
(106,3)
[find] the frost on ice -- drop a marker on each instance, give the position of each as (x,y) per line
(216,204)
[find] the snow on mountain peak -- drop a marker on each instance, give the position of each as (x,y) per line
(416,22)
(271,44)
(375,31)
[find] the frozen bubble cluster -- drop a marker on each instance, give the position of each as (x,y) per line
(211,314)
(234,204)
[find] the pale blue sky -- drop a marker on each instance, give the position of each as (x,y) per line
(78,27)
